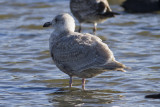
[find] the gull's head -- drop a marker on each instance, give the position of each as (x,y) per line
(62,22)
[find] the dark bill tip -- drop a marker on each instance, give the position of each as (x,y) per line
(47,24)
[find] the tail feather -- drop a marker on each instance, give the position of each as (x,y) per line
(110,14)
(115,65)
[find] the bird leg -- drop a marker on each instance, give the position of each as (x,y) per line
(79,30)
(95,28)
(83,83)
(70,82)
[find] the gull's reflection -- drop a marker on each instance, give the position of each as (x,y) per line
(77,97)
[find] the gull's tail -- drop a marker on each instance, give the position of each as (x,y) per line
(110,14)
(115,65)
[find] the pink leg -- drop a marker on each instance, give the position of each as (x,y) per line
(70,82)
(83,83)
(95,28)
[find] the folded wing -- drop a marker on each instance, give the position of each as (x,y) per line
(80,52)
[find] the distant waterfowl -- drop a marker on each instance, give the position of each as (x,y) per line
(141,6)
(77,54)
(91,11)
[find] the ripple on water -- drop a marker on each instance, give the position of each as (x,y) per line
(40,5)
(7,16)
(65,96)
(148,33)
(34,18)
(32,26)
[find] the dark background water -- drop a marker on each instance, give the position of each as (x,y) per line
(30,78)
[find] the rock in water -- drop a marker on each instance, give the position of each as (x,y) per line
(141,6)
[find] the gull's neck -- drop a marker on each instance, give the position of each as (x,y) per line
(66,28)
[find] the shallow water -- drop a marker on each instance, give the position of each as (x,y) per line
(30,78)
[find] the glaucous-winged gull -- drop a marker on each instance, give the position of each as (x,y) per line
(77,54)
(91,11)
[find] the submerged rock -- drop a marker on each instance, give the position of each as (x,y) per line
(154,96)
(141,6)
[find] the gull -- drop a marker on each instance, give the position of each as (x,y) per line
(91,11)
(77,54)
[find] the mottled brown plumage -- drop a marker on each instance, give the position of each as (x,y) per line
(91,11)
(77,54)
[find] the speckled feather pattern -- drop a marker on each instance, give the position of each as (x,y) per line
(77,54)
(90,11)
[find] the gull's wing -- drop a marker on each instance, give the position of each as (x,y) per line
(103,6)
(79,52)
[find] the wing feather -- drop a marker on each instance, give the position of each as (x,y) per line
(80,52)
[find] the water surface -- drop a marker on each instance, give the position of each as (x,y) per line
(30,78)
